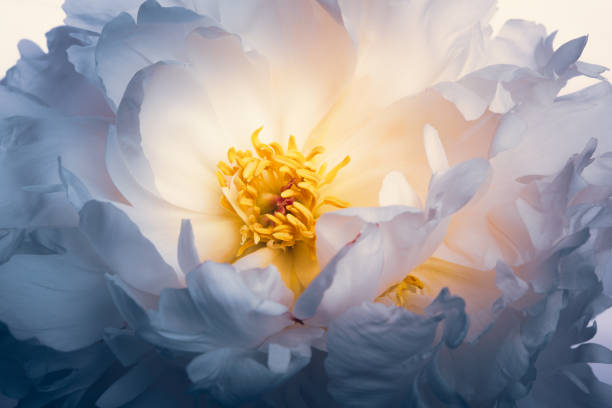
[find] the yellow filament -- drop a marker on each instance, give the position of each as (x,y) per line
(276,192)
(400,292)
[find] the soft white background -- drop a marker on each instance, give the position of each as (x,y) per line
(32,18)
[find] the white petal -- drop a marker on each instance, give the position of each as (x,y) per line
(291,36)
(233,312)
(392,140)
(217,309)
(509,134)
(387,248)
(267,284)
(390,36)
(279,358)
(188,257)
(236,84)
(502,101)
(471,105)
(122,247)
(450,191)
(395,190)
(337,287)
(436,155)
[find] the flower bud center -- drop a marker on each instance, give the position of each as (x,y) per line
(276,193)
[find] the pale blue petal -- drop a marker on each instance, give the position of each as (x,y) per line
(121,246)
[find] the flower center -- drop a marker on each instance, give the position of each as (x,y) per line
(276,193)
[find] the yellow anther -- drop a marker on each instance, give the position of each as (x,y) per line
(400,293)
(314,152)
(296,223)
(231,155)
(287,161)
(273,219)
(308,234)
(249,169)
(225,204)
(246,202)
(283,236)
(251,190)
(261,166)
(262,230)
(227,170)
(282,228)
(285,170)
(308,187)
(276,193)
(221,179)
(336,202)
(308,175)
(288,193)
(277,148)
(292,144)
(305,212)
(334,172)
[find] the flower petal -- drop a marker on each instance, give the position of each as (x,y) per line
(234,376)
(57,298)
(122,247)
(231,309)
(188,257)
(395,190)
(391,36)
(436,156)
(291,36)
(335,289)
(375,354)
(451,190)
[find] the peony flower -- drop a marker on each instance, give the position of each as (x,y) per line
(325,203)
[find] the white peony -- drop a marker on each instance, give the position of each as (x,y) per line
(360,203)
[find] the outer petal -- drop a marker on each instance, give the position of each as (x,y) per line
(233,376)
(126,47)
(121,246)
(504,232)
(57,298)
(93,16)
(392,36)
(376,353)
(47,76)
(32,146)
(216,310)
(232,309)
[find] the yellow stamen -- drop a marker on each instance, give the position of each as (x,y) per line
(276,193)
(400,293)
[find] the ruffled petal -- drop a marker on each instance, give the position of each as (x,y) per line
(405,47)
(121,246)
(376,353)
(56,298)
(291,37)
(393,139)
(233,376)
(217,309)
(47,76)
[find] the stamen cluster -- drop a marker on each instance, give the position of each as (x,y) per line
(276,193)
